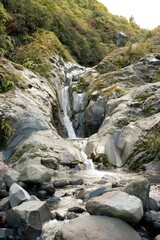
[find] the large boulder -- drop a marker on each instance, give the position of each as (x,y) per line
(35,174)
(29,217)
(17,195)
(96,227)
(140,188)
(116,204)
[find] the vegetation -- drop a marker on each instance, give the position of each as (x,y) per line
(85,27)
(36,55)
(6,132)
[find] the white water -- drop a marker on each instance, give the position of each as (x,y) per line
(66,110)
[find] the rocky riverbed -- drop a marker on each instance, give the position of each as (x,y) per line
(75,204)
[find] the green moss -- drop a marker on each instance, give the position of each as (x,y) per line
(148,110)
(143,96)
(9,78)
(6,131)
(37,54)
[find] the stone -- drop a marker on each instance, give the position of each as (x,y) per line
(17,195)
(152,219)
(76,181)
(76,210)
(5,204)
(10,177)
(140,188)
(4,233)
(29,218)
(60,183)
(153,205)
(97,192)
(157,237)
(48,188)
(2,184)
(35,174)
(117,204)
(96,228)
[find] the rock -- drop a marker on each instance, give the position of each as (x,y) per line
(152,221)
(35,174)
(140,188)
(60,183)
(42,195)
(157,237)
(76,210)
(4,204)
(117,204)
(2,184)
(96,227)
(153,205)
(97,192)
(48,188)
(76,181)
(17,195)
(29,217)
(4,233)
(71,215)
(3,194)
(10,177)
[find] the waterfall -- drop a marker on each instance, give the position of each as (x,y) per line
(66,111)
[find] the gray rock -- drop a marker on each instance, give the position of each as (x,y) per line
(60,183)
(153,205)
(140,188)
(96,227)
(10,177)
(97,192)
(157,237)
(29,217)
(35,174)
(2,184)
(152,219)
(5,204)
(4,233)
(116,204)
(17,195)
(76,181)
(76,210)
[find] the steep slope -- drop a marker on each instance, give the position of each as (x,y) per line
(86,27)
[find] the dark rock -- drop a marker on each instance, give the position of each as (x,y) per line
(2,184)
(140,188)
(3,223)
(96,227)
(97,192)
(5,233)
(76,210)
(60,183)
(48,188)
(5,204)
(53,200)
(42,195)
(71,215)
(153,204)
(29,218)
(3,193)
(76,182)
(152,222)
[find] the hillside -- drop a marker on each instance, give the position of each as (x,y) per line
(86,28)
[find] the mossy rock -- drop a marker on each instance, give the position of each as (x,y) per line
(37,54)
(6,131)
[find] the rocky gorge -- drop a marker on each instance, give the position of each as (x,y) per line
(52,131)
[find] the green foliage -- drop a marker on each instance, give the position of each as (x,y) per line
(85,27)
(144,95)
(9,78)
(6,131)
(5,41)
(36,55)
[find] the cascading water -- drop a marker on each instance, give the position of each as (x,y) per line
(73,73)
(66,110)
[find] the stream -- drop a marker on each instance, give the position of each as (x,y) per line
(88,181)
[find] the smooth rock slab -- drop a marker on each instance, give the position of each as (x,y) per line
(117,204)
(29,218)
(96,228)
